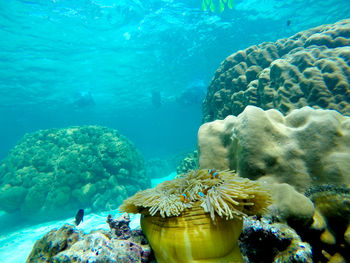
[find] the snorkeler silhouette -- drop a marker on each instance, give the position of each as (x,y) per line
(84,99)
(156,99)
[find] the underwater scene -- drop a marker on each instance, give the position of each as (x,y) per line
(174,131)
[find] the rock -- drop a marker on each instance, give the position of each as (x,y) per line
(67,244)
(53,243)
(262,241)
(310,68)
(329,233)
(98,248)
(54,172)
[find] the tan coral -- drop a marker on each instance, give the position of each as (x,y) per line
(305,147)
(309,68)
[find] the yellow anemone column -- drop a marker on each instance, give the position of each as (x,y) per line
(193,237)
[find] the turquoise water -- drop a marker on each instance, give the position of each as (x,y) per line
(100,62)
(139,66)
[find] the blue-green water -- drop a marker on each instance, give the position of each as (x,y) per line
(139,66)
(100,62)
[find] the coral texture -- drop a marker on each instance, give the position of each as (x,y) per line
(53,243)
(329,233)
(265,242)
(310,68)
(304,148)
(190,162)
(290,206)
(67,244)
(56,171)
(197,217)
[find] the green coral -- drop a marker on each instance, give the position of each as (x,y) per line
(53,172)
(212,5)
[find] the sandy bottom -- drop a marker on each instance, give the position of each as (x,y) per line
(16,246)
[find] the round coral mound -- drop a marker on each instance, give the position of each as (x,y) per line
(310,68)
(51,173)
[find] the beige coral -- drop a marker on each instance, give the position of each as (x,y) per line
(306,147)
(310,68)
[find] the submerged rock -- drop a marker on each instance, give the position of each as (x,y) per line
(52,173)
(52,243)
(265,242)
(67,244)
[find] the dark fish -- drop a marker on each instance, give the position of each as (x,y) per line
(288,22)
(79,216)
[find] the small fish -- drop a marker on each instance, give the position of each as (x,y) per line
(213,173)
(201,194)
(184,198)
(79,216)
(288,22)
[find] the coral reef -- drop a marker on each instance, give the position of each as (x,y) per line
(190,162)
(298,152)
(157,167)
(310,68)
(290,206)
(57,171)
(161,167)
(265,242)
(197,217)
(329,233)
(67,244)
(306,147)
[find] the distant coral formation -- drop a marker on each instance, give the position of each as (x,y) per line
(68,244)
(197,217)
(306,147)
(53,172)
(190,162)
(310,68)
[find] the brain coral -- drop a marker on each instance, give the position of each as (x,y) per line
(310,68)
(306,147)
(53,172)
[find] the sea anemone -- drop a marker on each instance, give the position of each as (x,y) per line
(197,216)
(226,195)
